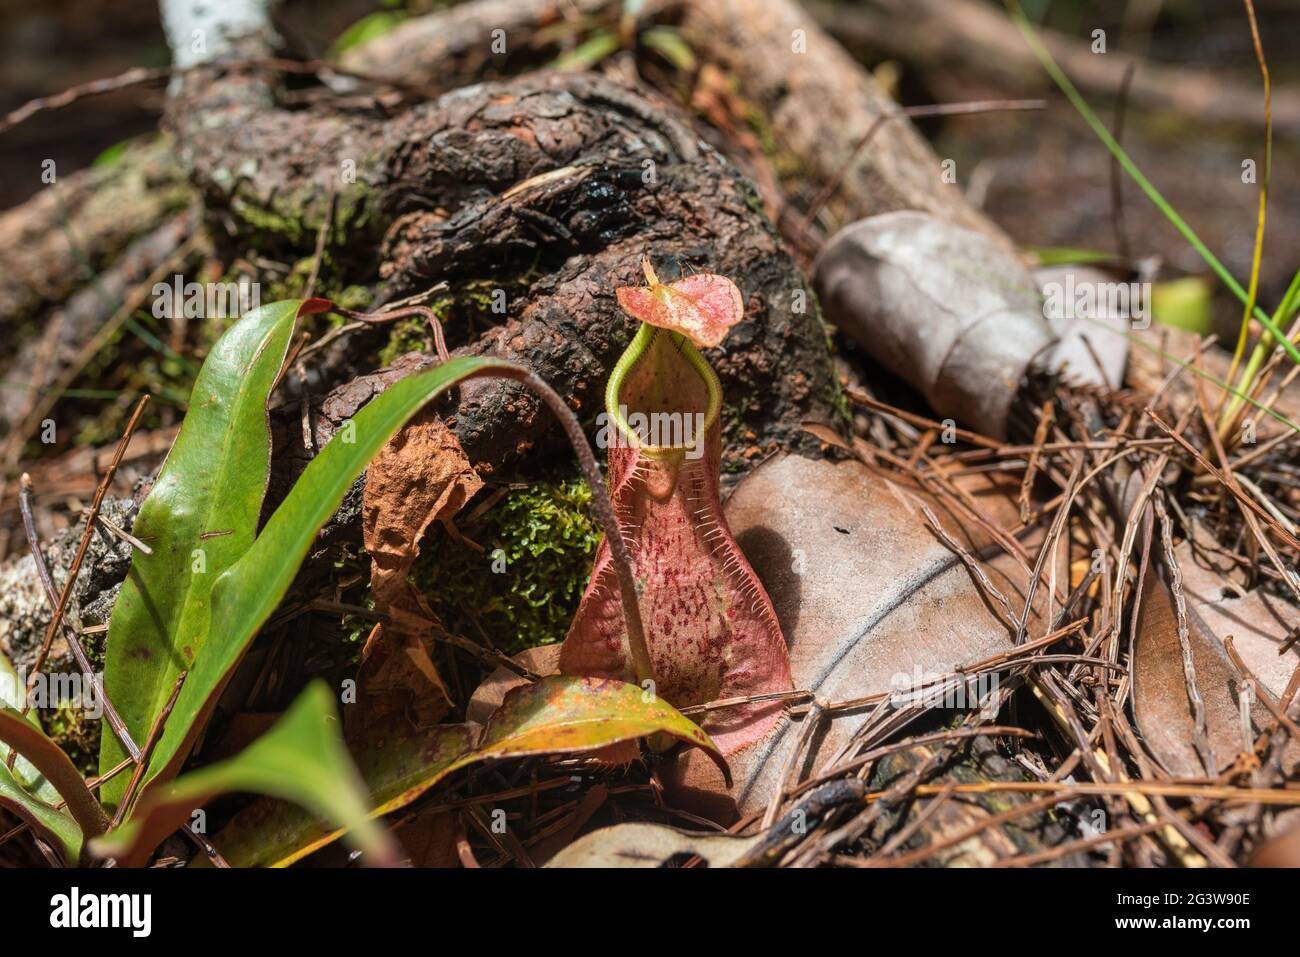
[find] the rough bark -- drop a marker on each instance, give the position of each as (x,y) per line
(550,186)
(54,241)
(554,187)
(40,361)
(817,104)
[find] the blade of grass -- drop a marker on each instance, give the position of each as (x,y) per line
(1099,128)
(1244,333)
(1284,314)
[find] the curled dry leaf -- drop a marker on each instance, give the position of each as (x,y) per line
(1259,626)
(702,307)
(869,598)
(950,312)
(421,475)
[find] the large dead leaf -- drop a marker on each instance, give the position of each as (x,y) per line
(867,595)
(421,475)
(1162,705)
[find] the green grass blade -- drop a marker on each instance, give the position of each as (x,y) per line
(1122,157)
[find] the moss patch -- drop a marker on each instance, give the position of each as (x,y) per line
(539,542)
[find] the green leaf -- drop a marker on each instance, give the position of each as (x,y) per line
(397,762)
(669,44)
(587,54)
(56,827)
(302,759)
(12,692)
(200,516)
(1183,304)
(30,741)
(26,792)
(565,713)
(369,27)
(1070,256)
(246,593)
(556,715)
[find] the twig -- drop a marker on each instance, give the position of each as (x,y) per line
(111,714)
(66,594)
(151,742)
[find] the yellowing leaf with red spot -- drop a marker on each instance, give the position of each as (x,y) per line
(564,714)
(399,763)
(702,307)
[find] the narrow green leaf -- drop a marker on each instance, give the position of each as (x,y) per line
(588,53)
(556,715)
(56,827)
(30,741)
(26,792)
(200,516)
(302,759)
(246,593)
(670,44)
(369,27)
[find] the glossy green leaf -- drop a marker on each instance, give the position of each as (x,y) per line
(301,759)
(30,742)
(246,594)
(26,792)
(200,516)
(1184,303)
(369,27)
(556,715)
(670,44)
(587,54)
(56,827)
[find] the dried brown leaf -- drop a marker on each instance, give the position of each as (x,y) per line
(421,475)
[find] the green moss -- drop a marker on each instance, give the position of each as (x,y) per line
(523,589)
(407,335)
(76,733)
(267,221)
